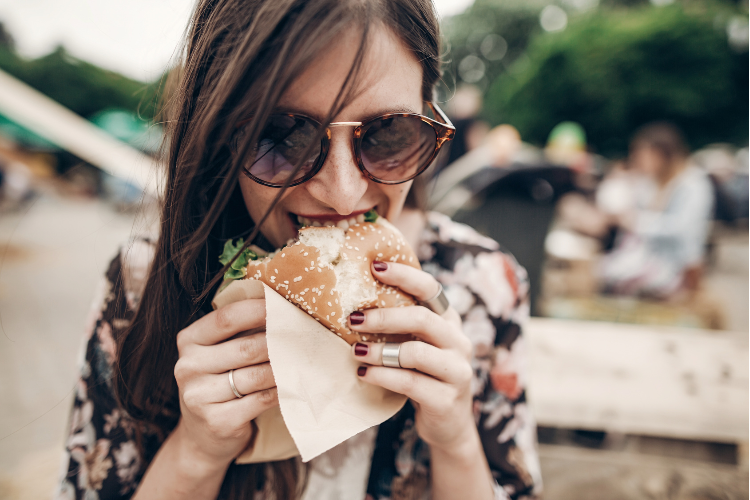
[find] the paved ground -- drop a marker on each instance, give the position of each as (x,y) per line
(52,254)
(51,257)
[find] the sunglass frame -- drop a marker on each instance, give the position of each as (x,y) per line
(444,132)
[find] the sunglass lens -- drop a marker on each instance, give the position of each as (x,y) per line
(397,148)
(281,146)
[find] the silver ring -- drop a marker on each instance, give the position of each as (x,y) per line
(437,304)
(231,384)
(390,354)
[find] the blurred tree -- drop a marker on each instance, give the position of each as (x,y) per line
(6,39)
(486,38)
(79,86)
(617,69)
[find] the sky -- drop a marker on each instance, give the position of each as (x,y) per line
(135,37)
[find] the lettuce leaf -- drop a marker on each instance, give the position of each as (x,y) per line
(371,216)
(238,269)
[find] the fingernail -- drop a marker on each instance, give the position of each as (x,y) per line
(361,371)
(360,349)
(379,266)
(357,318)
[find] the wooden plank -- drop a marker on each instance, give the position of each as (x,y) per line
(572,473)
(675,382)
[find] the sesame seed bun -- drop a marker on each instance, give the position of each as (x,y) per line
(326,273)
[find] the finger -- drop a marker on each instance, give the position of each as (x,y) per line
(247,381)
(224,323)
(442,364)
(215,388)
(249,407)
(236,353)
(416,320)
(417,386)
(412,281)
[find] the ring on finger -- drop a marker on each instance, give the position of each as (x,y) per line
(234,387)
(389,355)
(437,304)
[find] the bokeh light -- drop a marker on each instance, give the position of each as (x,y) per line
(553,18)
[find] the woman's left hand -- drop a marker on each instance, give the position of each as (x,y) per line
(435,370)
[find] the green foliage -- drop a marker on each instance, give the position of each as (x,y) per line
(79,86)
(615,70)
(514,20)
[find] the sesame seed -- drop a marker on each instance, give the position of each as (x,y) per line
(297,279)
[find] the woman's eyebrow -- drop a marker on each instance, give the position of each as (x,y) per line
(369,116)
(389,110)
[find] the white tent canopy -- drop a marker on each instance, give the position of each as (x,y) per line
(59,125)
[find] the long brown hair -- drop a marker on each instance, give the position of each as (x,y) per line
(239,58)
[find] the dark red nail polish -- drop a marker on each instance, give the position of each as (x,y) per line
(361,349)
(357,318)
(379,266)
(361,371)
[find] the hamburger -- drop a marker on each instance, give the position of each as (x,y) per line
(326,272)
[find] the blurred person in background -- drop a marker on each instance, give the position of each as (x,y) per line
(662,240)
(463,109)
(728,172)
(155,414)
(653,213)
(566,146)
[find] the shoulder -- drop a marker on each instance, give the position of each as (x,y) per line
(472,266)
(135,259)
(119,293)
(694,178)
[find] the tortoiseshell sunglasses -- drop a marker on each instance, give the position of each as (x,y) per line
(390,149)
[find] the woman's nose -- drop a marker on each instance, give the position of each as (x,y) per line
(339,184)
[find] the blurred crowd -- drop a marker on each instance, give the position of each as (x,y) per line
(638,226)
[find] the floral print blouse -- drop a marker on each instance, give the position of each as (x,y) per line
(389,462)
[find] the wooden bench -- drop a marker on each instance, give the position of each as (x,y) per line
(637,379)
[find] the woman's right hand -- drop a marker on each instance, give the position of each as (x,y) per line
(215,424)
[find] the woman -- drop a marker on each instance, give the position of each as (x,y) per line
(661,238)
(155,416)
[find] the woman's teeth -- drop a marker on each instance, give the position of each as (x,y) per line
(343,223)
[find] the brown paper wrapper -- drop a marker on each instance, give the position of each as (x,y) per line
(322,402)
